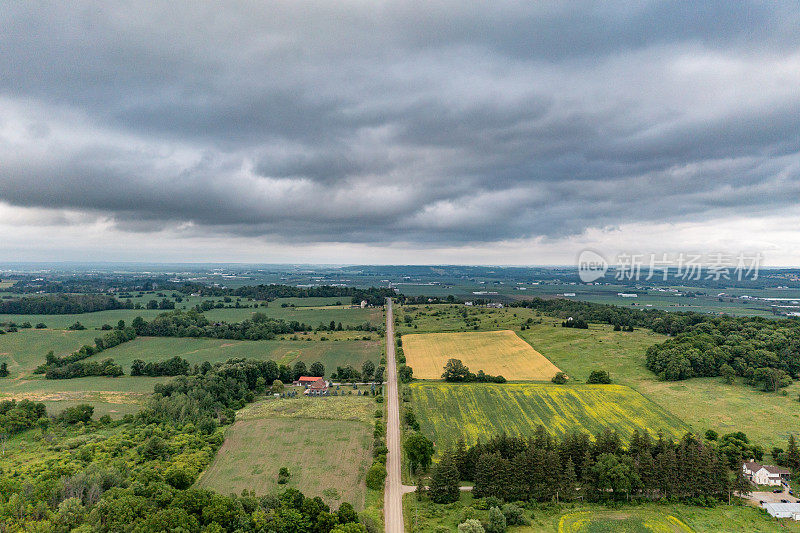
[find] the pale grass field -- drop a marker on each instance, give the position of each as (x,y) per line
(495,352)
(329,454)
(324,442)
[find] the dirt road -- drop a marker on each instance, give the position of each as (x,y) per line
(393,497)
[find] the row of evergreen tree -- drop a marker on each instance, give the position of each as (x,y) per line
(544,468)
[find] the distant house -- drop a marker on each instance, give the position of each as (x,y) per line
(495,305)
(468,304)
(317,388)
(306,380)
(363,304)
(765,474)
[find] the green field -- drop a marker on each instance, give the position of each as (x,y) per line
(331,353)
(313,316)
(314,301)
(425,517)
(25,350)
(447,411)
(324,442)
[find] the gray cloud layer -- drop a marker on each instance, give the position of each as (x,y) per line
(427,122)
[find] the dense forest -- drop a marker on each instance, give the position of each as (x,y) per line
(134,475)
(62,304)
(765,352)
(543,468)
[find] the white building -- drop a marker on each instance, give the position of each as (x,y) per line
(783,510)
(765,474)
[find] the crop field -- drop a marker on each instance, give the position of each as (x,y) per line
(494,352)
(307,439)
(425,517)
(447,411)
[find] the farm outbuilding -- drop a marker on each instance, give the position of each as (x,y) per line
(783,510)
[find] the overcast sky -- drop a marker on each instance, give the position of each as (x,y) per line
(398,132)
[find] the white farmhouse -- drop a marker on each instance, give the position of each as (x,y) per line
(765,474)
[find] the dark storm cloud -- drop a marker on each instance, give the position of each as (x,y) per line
(424,122)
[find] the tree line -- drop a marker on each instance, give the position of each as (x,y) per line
(193,323)
(62,304)
(543,468)
(373,295)
(174,366)
(74,366)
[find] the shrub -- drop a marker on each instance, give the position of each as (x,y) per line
(514,515)
(599,376)
(471,526)
(497,522)
(73,415)
(376,476)
(560,378)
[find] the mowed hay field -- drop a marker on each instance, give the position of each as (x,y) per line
(447,411)
(495,352)
(319,452)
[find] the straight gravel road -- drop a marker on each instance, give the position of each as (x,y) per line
(393,496)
